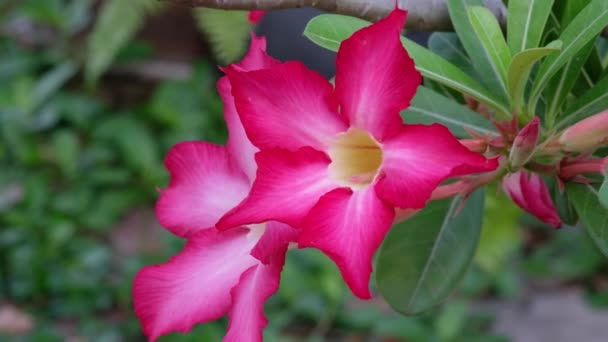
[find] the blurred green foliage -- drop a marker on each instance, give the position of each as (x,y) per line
(78,177)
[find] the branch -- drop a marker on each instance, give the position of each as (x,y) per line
(424,15)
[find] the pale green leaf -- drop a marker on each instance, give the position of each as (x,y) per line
(493,43)
(526,23)
(520,68)
(423,258)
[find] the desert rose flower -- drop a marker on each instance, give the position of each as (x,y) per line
(336,162)
(217,273)
(255,16)
(530,192)
(586,135)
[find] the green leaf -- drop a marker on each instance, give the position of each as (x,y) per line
(492,41)
(448,46)
(118,22)
(603,193)
(592,214)
(66,149)
(329,30)
(520,68)
(479,46)
(526,23)
(429,107)
(501,234)
(593,101)
(227,31)
(423,258)
(51,82)
(561,85)
(583,29)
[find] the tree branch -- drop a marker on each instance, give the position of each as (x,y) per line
(424,15)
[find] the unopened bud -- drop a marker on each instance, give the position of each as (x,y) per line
(586,135)
(530,192)
(525,143)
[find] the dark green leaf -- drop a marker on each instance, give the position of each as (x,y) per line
(592,214)
(429,107)
(478,49)
(228,32)
(423,258)
(526,23)
(584,28)
(592,102)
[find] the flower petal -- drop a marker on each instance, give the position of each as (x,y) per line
(287,185)
(276,240)
(256,57)
(204,185)
(418,159)
(240,148)
(375,77)
(349,227)
(257,284)
(287,106)
(194,286)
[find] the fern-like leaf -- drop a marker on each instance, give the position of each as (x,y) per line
(118,22)
(227,31)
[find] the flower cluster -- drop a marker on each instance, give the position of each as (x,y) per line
(312,165)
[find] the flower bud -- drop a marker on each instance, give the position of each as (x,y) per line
(530,192)
(587,134)
(525,143)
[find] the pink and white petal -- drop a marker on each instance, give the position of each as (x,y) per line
(275,241)
(286,106)
(246,318)
(238,145)
(349,227)
(287,185)
(256,58)
(193,286)
(375,77)
(418,159)
(205,183)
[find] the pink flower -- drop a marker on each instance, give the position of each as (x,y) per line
(586,135)
(255,16)
(529,192)
(229,272)
(337,162)
(524,143)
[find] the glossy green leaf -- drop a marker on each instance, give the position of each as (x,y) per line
(423,258)
(592,214)
(448,46)
(429,107)
(560,85)
(479,46)
(593,101)
(584,28)
(329,30)
(488,31)
(526,23)
(520,68)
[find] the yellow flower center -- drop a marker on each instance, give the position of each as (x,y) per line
(355,158)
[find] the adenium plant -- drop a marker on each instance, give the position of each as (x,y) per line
(309,164)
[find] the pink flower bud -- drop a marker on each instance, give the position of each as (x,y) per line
(586,135)
(255,16)
(525,143)
(529,192)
